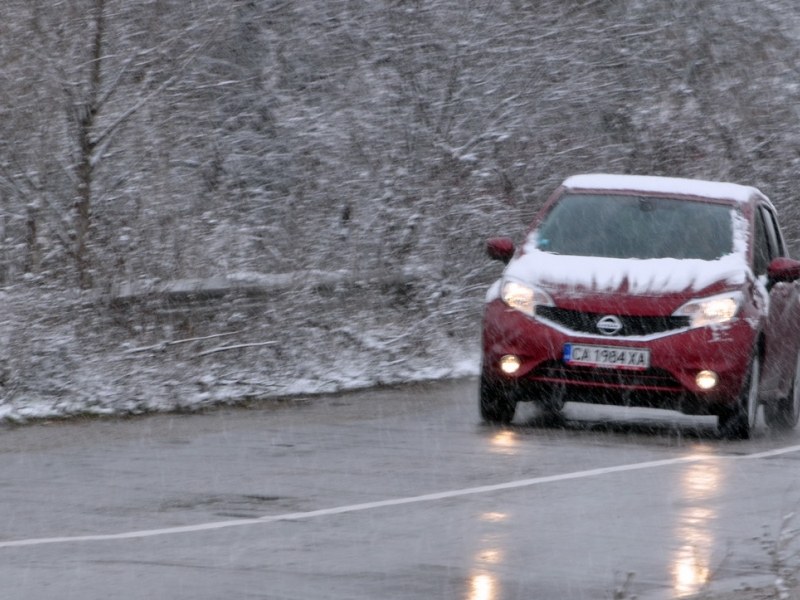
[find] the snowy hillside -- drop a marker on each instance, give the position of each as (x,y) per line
(145,144)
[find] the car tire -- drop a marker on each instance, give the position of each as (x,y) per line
(738,422)
(496,404)
(782,415)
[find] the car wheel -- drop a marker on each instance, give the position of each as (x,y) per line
(783,414)
(496,404)
(738,422)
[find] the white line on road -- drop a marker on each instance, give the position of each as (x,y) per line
(338,510)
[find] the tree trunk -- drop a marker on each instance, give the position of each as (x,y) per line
(32,239)
(85,115)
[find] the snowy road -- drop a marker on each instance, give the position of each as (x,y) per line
(390,494)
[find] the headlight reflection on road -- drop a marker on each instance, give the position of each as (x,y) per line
(692,560)
(491,557)
(504,442)
(494,517)
(482,586)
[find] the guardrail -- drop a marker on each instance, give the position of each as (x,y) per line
(262,285)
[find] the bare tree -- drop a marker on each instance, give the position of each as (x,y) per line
(184,139)
(98,86)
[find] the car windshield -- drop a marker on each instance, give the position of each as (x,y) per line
(624,226)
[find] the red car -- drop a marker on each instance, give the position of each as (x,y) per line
(647,291)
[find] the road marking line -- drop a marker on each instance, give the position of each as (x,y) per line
(338,510)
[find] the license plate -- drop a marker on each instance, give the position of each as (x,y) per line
(607,356)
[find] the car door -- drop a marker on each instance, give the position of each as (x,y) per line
(781,345)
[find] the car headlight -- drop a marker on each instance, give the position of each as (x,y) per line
(524,298)
(711,311)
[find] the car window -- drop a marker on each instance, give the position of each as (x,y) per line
(777,247)
(761,250)
(623,226)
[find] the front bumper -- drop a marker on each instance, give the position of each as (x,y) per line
(675,359)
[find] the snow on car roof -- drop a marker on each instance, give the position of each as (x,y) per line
(717,190)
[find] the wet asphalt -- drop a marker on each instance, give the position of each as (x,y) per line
(391,493)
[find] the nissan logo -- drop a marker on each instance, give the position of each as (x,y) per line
(609,325)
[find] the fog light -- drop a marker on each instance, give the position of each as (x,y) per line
(706,380)
(509,364)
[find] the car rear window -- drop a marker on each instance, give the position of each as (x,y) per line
(624,226)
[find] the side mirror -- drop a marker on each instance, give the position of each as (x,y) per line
(501,248)
(783,269)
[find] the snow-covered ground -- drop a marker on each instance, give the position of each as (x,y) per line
(64,355)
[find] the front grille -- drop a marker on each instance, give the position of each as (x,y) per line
(585,322)
(559,373)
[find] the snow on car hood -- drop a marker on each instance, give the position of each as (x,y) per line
(592,274)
